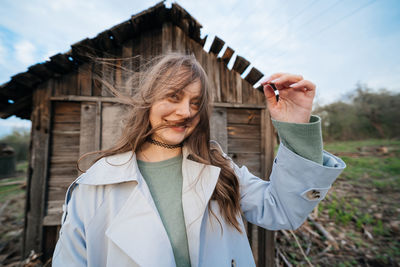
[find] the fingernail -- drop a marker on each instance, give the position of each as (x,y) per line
(293,85)
(276,80)
(265,80)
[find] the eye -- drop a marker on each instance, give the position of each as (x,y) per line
(195,104)
(173,97)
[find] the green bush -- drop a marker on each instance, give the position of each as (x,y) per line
(19,141)
(365,114)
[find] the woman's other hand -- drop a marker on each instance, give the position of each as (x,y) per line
(295,97)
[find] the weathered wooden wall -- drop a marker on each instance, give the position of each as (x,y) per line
(75,114)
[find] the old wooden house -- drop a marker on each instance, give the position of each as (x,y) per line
(72,114)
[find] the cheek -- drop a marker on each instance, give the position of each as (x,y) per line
(158,111)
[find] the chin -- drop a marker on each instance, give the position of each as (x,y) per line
(171,139)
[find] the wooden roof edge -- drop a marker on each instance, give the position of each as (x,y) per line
(240,65)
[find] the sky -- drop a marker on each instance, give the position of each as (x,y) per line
(336,44)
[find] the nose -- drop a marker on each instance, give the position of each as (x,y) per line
(183,109)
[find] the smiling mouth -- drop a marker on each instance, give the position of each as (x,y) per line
(177,124)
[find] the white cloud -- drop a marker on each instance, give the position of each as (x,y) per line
(25,52)
(3,53)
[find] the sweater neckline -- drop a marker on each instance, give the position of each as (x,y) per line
(164,163)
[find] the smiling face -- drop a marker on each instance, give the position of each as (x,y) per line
(176,112)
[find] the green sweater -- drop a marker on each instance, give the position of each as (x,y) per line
(164,179)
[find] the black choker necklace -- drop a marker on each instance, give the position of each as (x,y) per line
(157,143)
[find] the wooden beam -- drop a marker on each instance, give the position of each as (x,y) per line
(122,32)
(218,123)
(83,50)
(20,104)
(27,79)
(216,45)
(235,105)
(86,99)
(227,55)
(254,76)
(267,156)
(62,63)
(240,64)
(104,41)
(41,71)
(38,170)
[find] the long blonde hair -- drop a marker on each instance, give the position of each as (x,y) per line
(176,71)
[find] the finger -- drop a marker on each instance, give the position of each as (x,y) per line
(304,85)
(286,80)
(270,95)
(272,77)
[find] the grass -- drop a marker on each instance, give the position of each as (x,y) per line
(351,146)
(7,191)
(366,197)
(379,171)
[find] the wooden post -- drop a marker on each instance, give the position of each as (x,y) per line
(267,143)
(38,170)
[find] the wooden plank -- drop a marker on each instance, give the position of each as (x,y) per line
(254,243)
(66,127)
(127,74)
(60,63)
(38,169)
(243,116)
(239,88)
(156,43)
(96,79)
(226,89)
(87,141)
(167,38)
(218,124)
(216,45)
(178,40)
(244,146)
(66,112)
(108,77)
(214,76)
(240,64)
(251,95)
(111,128)
(254,76)
(122,32)
(26,79)
(56,193)
(244,131)
(250,160)
(61,181)
(41,71)
(85,79)
(226,57)
(268,144)
(53,218)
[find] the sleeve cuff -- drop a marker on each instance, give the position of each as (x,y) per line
(304,139)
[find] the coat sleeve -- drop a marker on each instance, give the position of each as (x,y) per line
(71,245)
(296,186)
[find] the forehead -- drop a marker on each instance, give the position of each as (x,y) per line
(193,89)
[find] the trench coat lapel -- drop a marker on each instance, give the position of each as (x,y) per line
(199,182)
(138,230)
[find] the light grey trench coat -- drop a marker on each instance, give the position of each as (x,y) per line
(110,218)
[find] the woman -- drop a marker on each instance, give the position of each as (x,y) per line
(166,195)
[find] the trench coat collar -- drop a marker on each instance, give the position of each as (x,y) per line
(137,229)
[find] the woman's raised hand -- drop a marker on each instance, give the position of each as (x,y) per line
(295,97)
